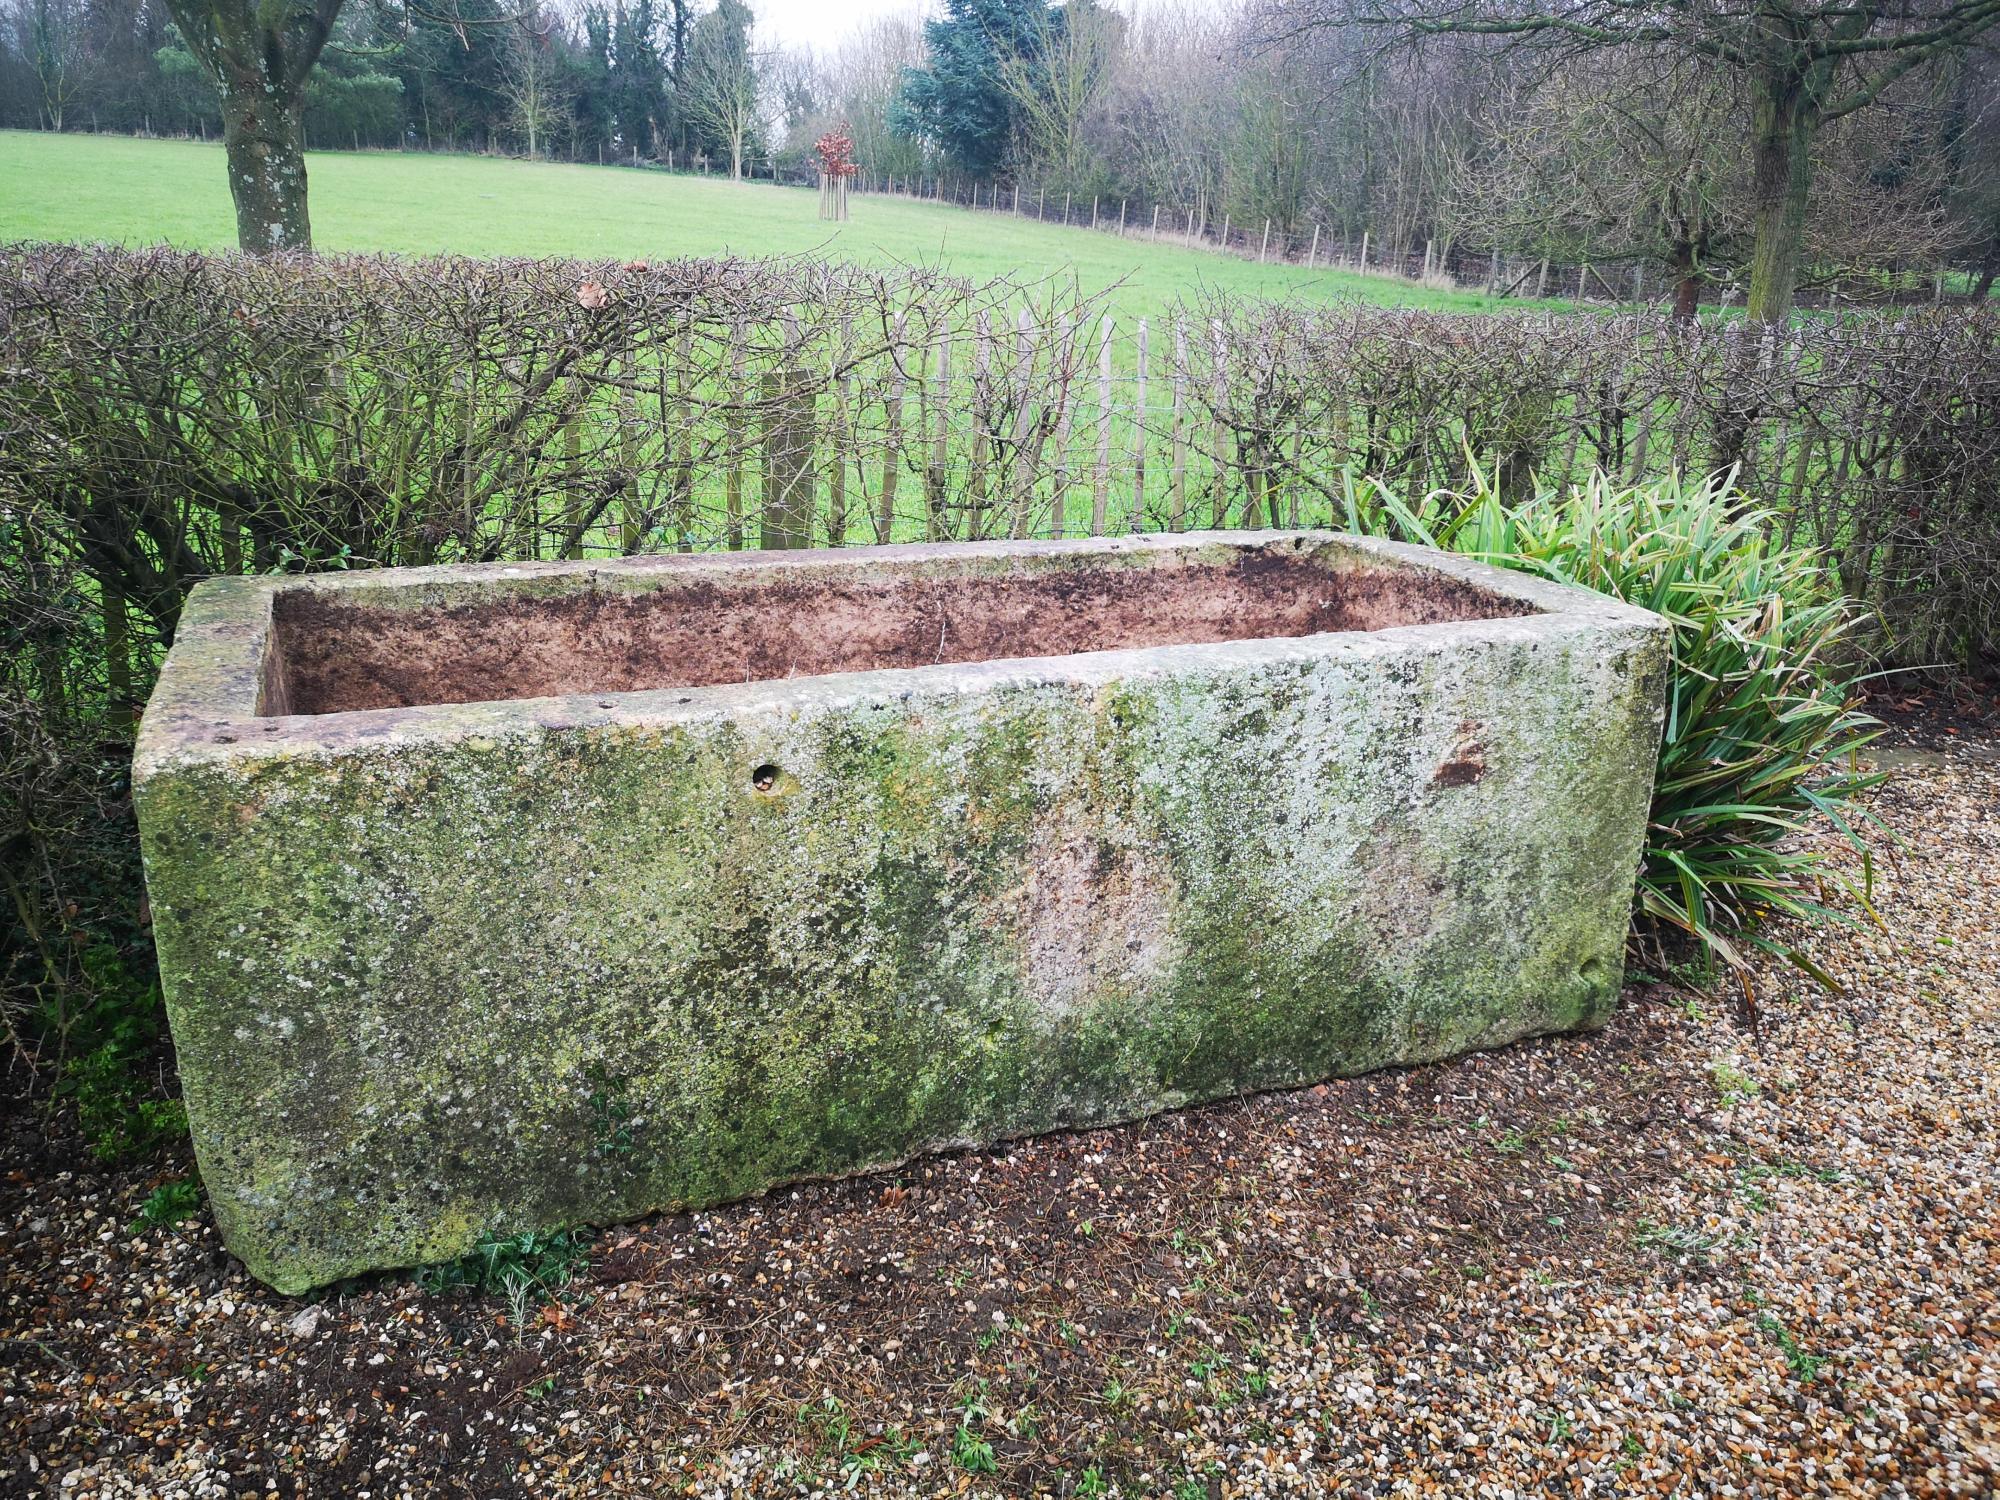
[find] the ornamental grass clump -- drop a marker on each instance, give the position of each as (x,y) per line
(1762,728)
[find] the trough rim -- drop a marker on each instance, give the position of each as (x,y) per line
(205,704)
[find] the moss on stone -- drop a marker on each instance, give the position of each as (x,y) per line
(403,972)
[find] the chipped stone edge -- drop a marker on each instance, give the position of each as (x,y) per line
(210,701)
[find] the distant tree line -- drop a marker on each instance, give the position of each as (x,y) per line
(610,78)
(1760,149)
(1796,139)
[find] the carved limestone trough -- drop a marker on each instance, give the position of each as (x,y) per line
(494,898)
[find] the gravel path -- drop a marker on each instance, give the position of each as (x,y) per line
(1674,1258)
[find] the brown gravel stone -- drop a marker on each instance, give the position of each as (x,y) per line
(1672,1258)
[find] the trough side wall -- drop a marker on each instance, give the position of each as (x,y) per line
(558,963)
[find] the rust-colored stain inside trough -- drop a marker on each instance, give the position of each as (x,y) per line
(699,629)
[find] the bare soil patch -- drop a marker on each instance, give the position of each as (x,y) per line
(1667,1258)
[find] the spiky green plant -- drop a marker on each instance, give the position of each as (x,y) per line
(1762,731)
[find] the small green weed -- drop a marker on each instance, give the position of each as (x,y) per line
(973,1453)
(527,1269)
(1805,1367)
(1674,1239)
(1732,1083)
(974,1400)
(168,1204)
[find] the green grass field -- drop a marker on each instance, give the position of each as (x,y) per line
(83,188)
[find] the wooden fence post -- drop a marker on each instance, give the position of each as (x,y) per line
(788,461)
(1219,386)
(841,440)
(982,440)
(1093,212)
(630,522)
(1101,490)
(1313,254)
(1139,437)
(936,471)
(1023,474)
(1156,220)
(1364,250)
(1065,415)
(678,436)
(892,440)
(1177,513)
(1264,246)
(732,439)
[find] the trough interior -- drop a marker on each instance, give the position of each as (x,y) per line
(338,650)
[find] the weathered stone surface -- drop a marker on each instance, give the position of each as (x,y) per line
(451,967)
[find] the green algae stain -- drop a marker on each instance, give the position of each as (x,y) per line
(398,975)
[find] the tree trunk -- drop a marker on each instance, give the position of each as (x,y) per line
(1983,286)
(1687,284)
(263,137)
(1781,179)
(1687,298)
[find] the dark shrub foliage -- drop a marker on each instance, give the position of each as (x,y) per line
(165,416)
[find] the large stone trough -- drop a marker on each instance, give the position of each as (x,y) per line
(495,898)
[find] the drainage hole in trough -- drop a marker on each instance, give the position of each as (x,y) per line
(764,777)
(1592,971)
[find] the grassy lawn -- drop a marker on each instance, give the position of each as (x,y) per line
(80,187)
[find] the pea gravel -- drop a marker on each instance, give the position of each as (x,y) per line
(1684,1256)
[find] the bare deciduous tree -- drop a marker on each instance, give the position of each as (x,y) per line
(1609,160)
(528,78)
(1801,64)
(1642,156)
(54,37)
(1058,81)
(722,85)
(1168,105)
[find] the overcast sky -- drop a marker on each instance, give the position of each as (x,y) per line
(820,23)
